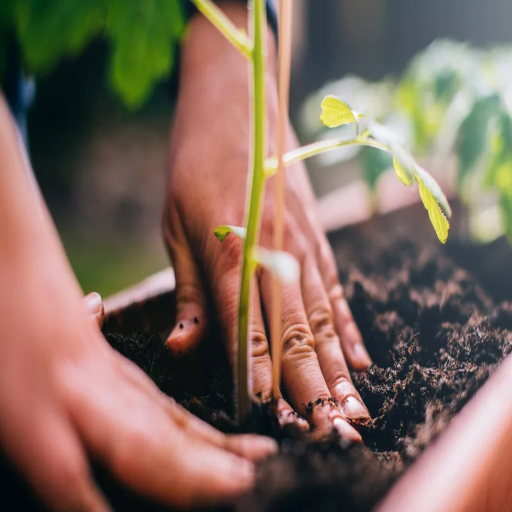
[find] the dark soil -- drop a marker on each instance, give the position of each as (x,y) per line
(433,333)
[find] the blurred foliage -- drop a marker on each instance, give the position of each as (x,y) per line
(142,35)
(453,99)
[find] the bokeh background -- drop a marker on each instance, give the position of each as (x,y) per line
(102,166)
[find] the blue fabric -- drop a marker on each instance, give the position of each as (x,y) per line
(18,89)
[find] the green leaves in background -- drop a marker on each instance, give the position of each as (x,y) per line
(472,137)
(374,164)
(143,37)
(499,171)
(49,30)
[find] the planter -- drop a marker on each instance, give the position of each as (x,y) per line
(436,333)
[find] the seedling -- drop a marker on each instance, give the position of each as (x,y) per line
(453,103)
(334,113)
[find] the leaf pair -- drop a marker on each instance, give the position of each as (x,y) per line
(337,113)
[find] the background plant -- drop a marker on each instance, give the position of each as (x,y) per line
(453,101)
(142,36)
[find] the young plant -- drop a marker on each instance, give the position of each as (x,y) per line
(334,113)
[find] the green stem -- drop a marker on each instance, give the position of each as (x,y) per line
(225,26)
(317,148)
(255,193)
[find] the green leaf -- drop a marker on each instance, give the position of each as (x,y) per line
(433,187)
(221,232)
(437,218)
(429,192)
(374,164)
(49,30)
(336,113)
(403,174)
(143,35)
(282,264)
(472,137)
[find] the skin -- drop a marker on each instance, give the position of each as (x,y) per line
(67,397)
(209,159)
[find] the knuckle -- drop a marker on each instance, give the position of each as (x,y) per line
(341,380)
(189,293)
(298,342)
(259,344)
(336,291)
(321,322)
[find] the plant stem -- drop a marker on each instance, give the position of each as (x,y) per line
(317,148)
(225,26)
(255,192)
(284,59)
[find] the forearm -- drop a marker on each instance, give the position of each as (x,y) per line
(215,77)
(27,234)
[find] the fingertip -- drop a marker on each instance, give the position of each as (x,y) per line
(253,447)
(348,433)
(287,416)
(355,410)
(185,336)
(95,307)
(354,348)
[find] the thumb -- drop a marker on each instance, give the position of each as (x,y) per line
(191,302)
(94,307)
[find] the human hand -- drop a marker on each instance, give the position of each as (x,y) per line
(207,186)
(66,395)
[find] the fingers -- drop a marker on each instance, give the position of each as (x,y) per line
(94,306)
(226,292)
(137,439)
(327,343)
(191,302)
(251,447)
(56,466)
(351,339)
(301,371)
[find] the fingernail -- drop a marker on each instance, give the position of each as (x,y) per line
(354,409)
(94,303)
(361,356)
(349,434)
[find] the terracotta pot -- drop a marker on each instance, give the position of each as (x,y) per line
(468,468)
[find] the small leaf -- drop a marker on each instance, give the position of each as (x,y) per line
(472,136)
(437,218)
(282,264)
(336,113)
(431,184)
(403,174)
(221,232)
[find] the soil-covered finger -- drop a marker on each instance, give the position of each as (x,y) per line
(327,345)
(302,375)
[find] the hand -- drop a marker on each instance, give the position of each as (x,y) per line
(65,394)
(207,186)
